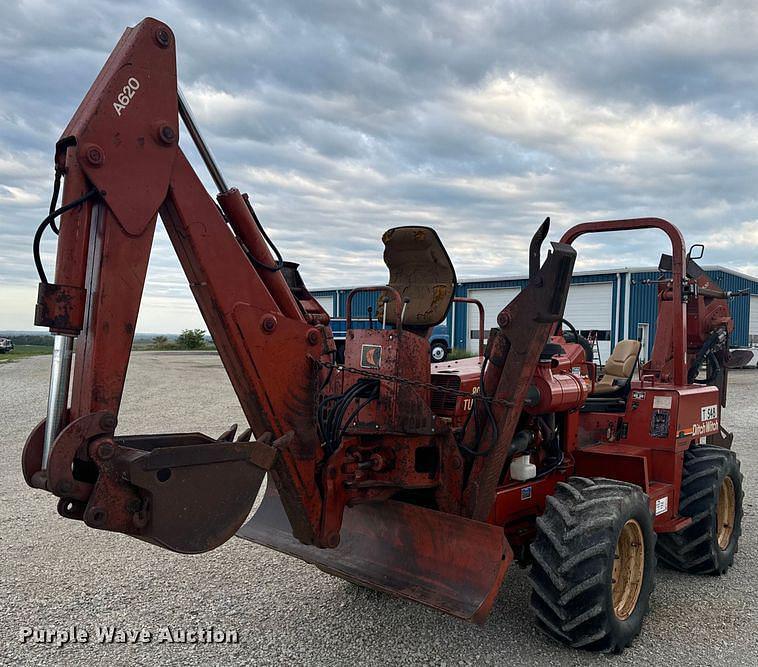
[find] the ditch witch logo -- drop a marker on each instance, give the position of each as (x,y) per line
(108,634)
(705,428)
(371,356)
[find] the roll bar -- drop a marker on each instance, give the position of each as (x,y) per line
(678,255)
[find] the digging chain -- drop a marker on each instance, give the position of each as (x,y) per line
(413,383)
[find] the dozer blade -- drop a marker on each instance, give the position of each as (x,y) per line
(444,561)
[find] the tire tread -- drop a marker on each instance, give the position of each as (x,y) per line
(695,549)
(573,551)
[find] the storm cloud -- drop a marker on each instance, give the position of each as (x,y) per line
(342,119)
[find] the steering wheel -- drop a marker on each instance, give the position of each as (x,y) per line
(575,337)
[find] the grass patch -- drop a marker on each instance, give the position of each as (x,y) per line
(459,354)
(23,351)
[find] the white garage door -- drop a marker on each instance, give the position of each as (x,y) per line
(493,300)
(753,328)
(327,303)
(589,308)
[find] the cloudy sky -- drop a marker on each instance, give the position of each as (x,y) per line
(344,118)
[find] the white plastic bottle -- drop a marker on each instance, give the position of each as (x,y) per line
(522,468)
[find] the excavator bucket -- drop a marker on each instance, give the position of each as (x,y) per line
(739,358)
(444,561)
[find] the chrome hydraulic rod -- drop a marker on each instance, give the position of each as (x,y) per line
(57,399)
(202,147)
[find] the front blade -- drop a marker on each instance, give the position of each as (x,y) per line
(444,561)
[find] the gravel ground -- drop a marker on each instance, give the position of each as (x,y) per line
(56,573)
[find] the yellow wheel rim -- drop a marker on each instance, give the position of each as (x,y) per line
(628,569)
(725,512)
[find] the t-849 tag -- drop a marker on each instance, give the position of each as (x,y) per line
(709,412)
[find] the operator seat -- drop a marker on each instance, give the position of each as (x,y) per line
(618,370)
(421,271)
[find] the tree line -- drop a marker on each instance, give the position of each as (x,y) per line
(188,339)
(45,340)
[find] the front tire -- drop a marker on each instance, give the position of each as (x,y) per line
(439,352)
(594,564)
(712,495)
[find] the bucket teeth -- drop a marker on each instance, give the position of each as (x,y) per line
(228,435)
(245,435)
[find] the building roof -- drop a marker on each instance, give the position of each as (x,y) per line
(594,272)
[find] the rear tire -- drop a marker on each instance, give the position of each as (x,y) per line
(712,495)
(594,564)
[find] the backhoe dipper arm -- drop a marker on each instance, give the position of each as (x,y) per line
(121,158)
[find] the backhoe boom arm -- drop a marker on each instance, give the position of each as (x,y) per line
(121,147)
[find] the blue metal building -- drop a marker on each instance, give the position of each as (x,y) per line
(613,304)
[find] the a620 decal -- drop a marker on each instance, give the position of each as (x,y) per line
(126,95)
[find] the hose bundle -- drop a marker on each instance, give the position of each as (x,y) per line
(332,410)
